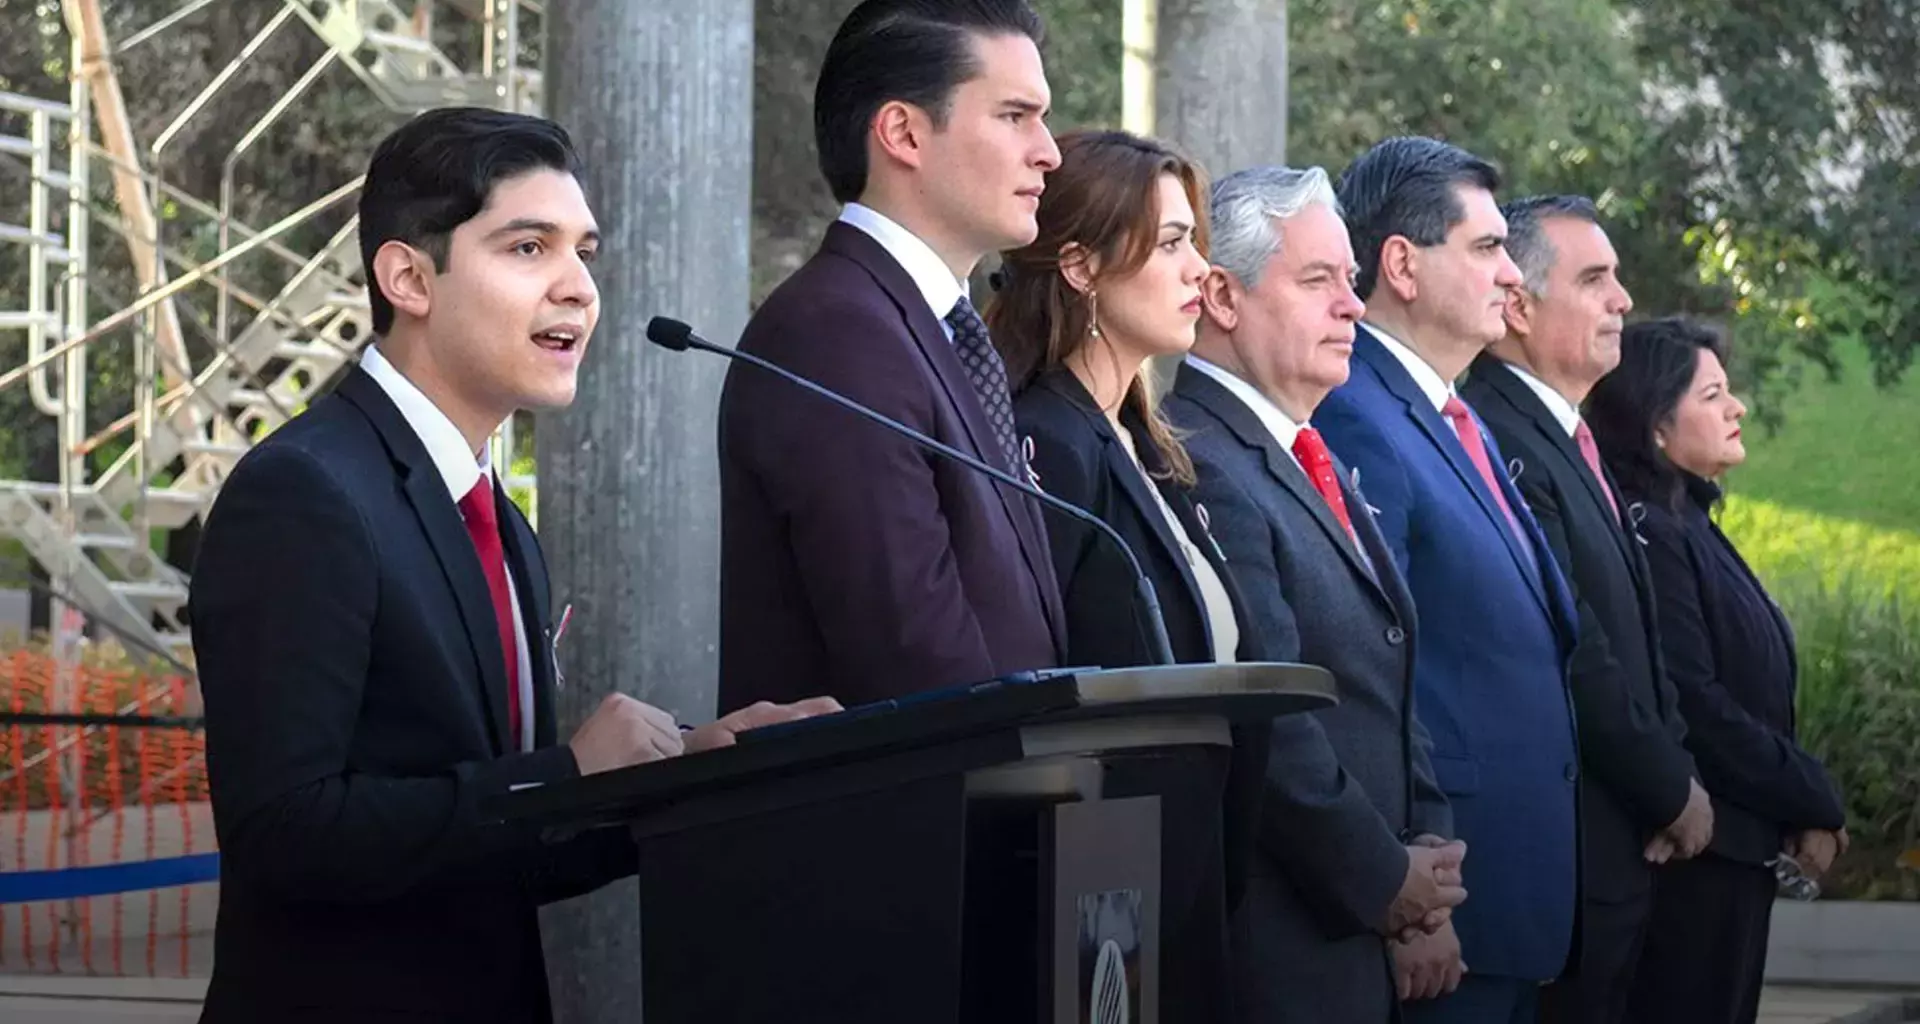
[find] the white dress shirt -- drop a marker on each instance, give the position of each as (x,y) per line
(460,468)
(1278,423)
(1431,384)
(1222,627)
(929,272)
(1563,411)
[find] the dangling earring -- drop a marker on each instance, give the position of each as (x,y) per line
(1093,314)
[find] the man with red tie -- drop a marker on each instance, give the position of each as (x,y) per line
(1352,848)
(372,625)
(1640,801)
(1496,621)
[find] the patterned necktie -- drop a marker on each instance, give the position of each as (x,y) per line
(1591,452)
(1318,462)
(483,525)
(1468,430)
(988,375)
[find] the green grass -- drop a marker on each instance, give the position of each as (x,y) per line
(1847,449)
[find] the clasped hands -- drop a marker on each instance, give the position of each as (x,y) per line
(623,731)
(1685,836)
(1419,925)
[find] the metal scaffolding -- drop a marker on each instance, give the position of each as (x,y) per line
(268,355)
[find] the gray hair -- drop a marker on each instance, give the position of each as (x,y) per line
(1245,210)
(1527,237)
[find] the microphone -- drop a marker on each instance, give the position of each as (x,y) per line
(679,337)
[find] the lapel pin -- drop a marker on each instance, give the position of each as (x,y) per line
(560,630)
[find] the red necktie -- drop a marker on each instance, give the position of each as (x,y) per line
(483,525)
(1314,458)
(1469,431)
(1591,452)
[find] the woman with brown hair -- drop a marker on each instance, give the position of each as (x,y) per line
(1113,279)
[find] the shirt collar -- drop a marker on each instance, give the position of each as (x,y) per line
(1431,384)
(1563,411)
(929,272)
(1278,423)
(459,466)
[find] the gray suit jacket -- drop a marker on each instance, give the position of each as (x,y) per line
(1348,787)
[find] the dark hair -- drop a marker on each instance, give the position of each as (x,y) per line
(1103,199)
(437,171)
(1658,360)
(915,51)
(1527,237)
(1404,186)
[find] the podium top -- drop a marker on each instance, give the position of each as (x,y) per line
(1241,693)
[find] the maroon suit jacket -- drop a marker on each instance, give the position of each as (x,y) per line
(854,563)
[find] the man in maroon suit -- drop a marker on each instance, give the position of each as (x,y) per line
(854,563)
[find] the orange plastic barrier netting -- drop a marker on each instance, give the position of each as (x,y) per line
(90,807)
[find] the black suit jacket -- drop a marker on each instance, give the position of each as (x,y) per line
(1732,658)
(1632,736)
(1347,787)
(356,707)
(1078,457)
(854,563)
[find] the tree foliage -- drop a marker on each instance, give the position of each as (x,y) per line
(1755,161)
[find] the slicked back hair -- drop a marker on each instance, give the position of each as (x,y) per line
(1527,239)
(914,51)
(1405,186)
(437,171)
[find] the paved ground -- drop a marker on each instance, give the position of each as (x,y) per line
(1782,1005)
(59,1000)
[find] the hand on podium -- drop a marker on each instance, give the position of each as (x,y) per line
(624,731)
(723,732)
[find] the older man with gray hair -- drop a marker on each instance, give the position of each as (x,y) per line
(1639,801)
(1352,849)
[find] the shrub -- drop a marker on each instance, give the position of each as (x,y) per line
(1852,593)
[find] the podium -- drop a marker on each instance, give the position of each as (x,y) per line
(1051,848)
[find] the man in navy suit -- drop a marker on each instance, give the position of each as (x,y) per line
(372,623)
(1496,621)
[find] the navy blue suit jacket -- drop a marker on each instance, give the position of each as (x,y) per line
(1490,665)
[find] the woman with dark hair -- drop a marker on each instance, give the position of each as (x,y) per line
(1113,279)
(1669,427)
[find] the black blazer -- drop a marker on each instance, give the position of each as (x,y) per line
(1730,652)
(853,563)
(1077,456)
(356,717)
(1632,736)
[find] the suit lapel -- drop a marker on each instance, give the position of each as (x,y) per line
(1390,584)
(1246,426)
(1420,409)
(530,583)
(440,519)
(1508,386)
(1134,487)
(931,340)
